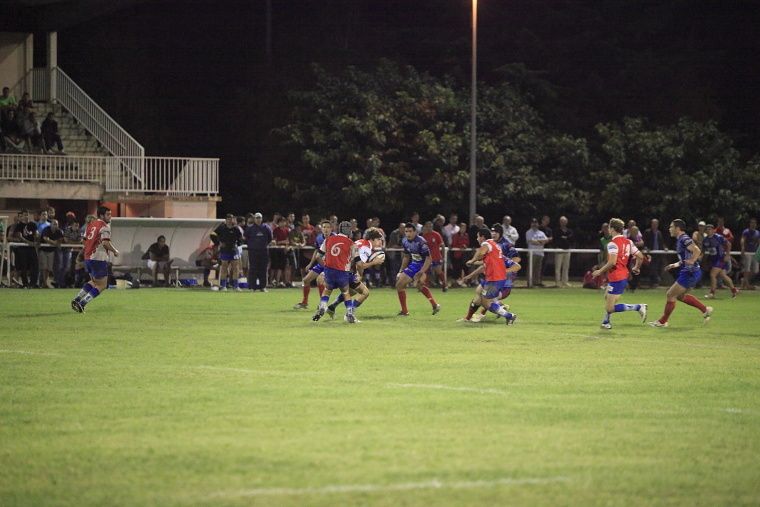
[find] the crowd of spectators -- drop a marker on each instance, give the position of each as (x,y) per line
(21,130)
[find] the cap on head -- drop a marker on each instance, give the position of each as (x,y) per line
(258,215)
(498,229)
(345,228)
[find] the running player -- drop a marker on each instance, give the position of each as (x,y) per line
(228,237)
(718,250)
(414,266)
(338,252)
(314,268)
(364,250)
(688,276)
(97,246)
(619,251)
(435,244)
(495,278)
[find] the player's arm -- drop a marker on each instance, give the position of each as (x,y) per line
(108,247)
(695,254)
(474,273)
(638,259)
(479,254)
(404,262)
(611,261)
(426,264)
(514,267)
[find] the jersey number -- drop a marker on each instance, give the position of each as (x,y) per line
(91,233)
(335,250)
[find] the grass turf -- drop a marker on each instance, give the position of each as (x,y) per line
(187,397)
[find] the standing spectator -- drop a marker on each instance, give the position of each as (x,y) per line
(698,236)
(536,240)
(10,127)
(281,235)
(393,257)
(749,246)
(626,231)
(510,232)
(356,232)
(258,237)
(438,223)
(309,233)
(720,228)
(563,239)
(415,221)
(636,238)
(43,222)
(275,221)
(296,241)
(26,102)
(26,256)
(654,240)
(7,101)
(458,258)
(291,220)
(451,228)
(544,227)
(71,236)
(51,239)
(472,232)
(159,259)
(604,238)
(50,134)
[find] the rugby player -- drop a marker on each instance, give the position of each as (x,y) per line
(414,266)
(97,246)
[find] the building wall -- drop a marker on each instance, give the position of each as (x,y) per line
(13,58)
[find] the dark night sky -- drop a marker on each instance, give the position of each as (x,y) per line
(190,77)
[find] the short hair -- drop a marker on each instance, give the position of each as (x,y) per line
(325,221)
(161,237)
(679,223)
(709,226)
(229,215)
(617,224)
(485,232)
(410,225)
(374,234)
(102,210)
(345,228)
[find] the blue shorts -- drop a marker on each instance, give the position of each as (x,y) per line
(96,269)
(413,268)
(617,288)
(492,290)
(336,279)
(720,263)
(505,292)
(689,279)
(228,256)
(436,263)
(317,268)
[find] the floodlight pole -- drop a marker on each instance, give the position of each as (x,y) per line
(473,110)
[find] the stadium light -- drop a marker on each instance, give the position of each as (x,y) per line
(473,108)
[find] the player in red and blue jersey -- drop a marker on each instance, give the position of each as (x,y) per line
(495,278)
(97,247)
(717,250)
(314,268)
(414,266)
(619,252)
(338,253)
(689,275)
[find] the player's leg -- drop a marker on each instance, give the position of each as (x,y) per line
(688,283)
(235,275)
(714,271)
(490,296)
(310,277)
(727,280)
(614,292)
(323,299)
(674,293)
(402,281)
(348,303)
(425,290)
(223,274)
(98,271)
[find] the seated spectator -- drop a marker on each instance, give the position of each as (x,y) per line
(26,102)
(207,259)
(51,239)
(10,128)
(50,134)
(31,133)
(158,258)
(7,101)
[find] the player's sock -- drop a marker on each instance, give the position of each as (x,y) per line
(471,310)
(223,283)
(323,300)
(483,311)
(340,299)
(606,318)
(669,307)
(234,283)
(84,291)
(357,304)
(620,307)
(349,303)
(92,294)
(734,290)
(692,301)
(402,300)
(429,295)
(321,288)
(500,310)
(306,290)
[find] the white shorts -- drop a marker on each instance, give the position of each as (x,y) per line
(749,262)
(161,264)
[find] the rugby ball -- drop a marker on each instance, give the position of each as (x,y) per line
(377,254)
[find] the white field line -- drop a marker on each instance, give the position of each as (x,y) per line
(30,353)
(248,371)
(383,488)
(449,388)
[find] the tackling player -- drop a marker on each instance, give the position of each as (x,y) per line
(619,251)
(97,246)
(414,266)
(717,248)
(495,278)
(314,268)
(688,276)
(338,252)
(435,244)
(228,237)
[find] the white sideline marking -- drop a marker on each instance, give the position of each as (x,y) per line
(450,388)
(380,488)
(29,353)
(256,372)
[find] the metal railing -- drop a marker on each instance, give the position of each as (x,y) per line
(162,175)
(98,123)
(36,82)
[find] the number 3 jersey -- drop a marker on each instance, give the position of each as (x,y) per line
(417,249)
(338,252)
(96,233)
(623,248)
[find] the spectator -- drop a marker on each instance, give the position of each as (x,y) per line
(510,232)
(31,133)
(275,221)
(26,256)
(308,230)
(50,134)
(636,238)
(296,242)
(698,236)
(563,240)
(438,224)
(70,236)
(26,102)
(43,222)
(654,240)
(159,259)
(207,260)
(258,237)
(393,257)
(7,101)
(10,128)
(451,228)
(604,238)
(720,228)
(461,239)
(281,235)
(472,232)
(356,232)
(291,220)
(631,223)
(51,239)
(749,246)
(536,240)
(415,221)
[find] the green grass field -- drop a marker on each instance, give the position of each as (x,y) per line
(188,397)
